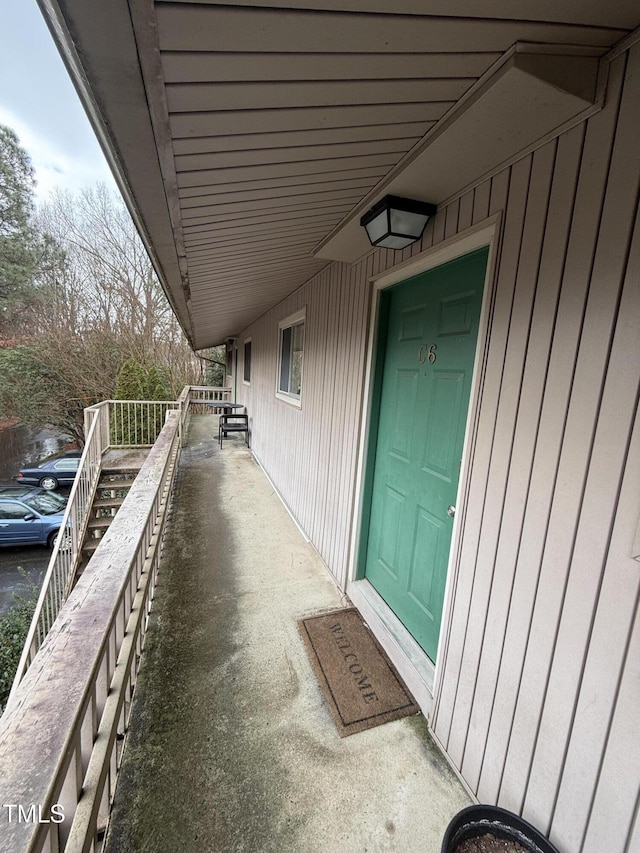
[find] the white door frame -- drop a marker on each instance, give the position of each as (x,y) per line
(421,675)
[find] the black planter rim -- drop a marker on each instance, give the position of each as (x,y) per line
(477,820)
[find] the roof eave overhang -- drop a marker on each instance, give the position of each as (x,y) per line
(532,93)
(122,124)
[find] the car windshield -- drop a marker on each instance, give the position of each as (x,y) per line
(46,503)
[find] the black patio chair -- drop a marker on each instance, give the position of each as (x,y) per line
(233,422)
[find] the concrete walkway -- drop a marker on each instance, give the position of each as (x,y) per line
(231,747)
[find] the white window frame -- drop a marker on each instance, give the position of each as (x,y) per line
(296,319)
(244,360)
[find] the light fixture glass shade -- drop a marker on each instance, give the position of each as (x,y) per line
(395,222)
(378,227)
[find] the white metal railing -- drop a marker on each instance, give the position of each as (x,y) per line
(110,424)
(137,423)
(71,709)
(198,399)
(202,396)
(68,545)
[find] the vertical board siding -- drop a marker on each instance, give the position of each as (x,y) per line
(525,708)
(521,450)
(498,481)
(537,689)
(310,452)
(544,472)
(478,495)
(598,450)
(610,631)
(490,707)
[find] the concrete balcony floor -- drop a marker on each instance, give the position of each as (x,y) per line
(231,747)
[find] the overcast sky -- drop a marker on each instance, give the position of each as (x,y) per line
(39,102)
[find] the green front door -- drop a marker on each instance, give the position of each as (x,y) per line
(430,328)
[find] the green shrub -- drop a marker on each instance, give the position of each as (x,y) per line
(14,625)
(134,424)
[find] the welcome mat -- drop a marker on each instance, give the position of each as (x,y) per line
(360,684)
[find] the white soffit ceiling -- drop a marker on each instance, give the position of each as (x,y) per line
(245,133)
(527,95)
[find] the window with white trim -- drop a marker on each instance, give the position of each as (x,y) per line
(290,357)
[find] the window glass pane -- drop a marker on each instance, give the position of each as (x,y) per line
(285,358)
(13,511)
(296,360)
(67,465)
(247,361)
(46,503)
(291,356)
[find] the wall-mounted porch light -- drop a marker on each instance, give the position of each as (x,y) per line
(395,222)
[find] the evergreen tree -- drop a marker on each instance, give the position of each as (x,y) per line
(131,381)
(18,241)
(137,423)
(158,386)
